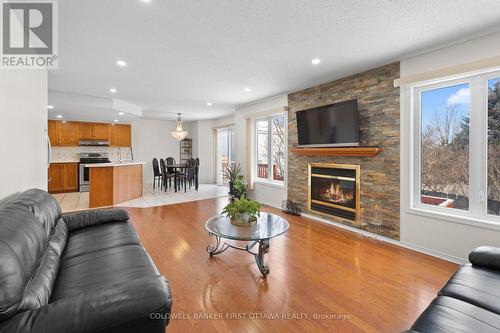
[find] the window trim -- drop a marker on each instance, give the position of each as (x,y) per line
(269,181)
(477,214)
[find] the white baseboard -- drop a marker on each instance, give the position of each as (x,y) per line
(406,245)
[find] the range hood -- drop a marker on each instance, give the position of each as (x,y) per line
(98,143)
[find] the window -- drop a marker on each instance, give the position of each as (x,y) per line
(444,173)
(270,148)
(457,147)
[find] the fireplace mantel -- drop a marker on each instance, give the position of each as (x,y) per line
(338,151)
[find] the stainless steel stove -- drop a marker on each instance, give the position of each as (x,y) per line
(89,158)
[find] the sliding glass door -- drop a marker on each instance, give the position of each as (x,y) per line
(225,154)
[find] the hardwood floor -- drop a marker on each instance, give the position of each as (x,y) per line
(315,269)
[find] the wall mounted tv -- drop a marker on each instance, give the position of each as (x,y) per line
(334,125)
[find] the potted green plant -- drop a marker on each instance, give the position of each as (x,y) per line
(239,188)
(242,211)
(231,173)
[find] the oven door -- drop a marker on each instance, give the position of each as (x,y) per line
(84,178)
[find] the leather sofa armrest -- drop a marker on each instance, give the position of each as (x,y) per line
(88,218)
(139,304)
(486,256)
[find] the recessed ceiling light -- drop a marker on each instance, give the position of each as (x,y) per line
(315,61)
(50,107)
(121,113)
(112,90)
(121,63)
(209,104)
(247,89)
(116,120)
(146,1)
(59,116)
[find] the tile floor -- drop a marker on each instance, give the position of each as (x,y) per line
(79,201)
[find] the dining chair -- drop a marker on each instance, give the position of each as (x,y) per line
(157,175)
(162,171)
(170,172)
(197,183)
(189,173)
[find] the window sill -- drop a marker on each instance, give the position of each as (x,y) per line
(280,185)
(472,221)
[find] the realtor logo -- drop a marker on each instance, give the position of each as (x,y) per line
(29,34)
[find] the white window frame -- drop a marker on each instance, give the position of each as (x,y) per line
(478,152)
(269,180)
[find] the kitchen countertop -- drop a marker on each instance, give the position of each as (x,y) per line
(114,164)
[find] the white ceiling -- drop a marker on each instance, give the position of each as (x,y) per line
(183,53)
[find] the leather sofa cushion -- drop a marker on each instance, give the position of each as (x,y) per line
(486,256)
(128,307)
(446,314)
(22,242)
(93,217)
(42,204)
(102,270)
(100,237)
(475,285)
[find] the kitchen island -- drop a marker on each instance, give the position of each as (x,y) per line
(114,183)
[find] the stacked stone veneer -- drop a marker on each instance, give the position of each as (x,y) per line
(378,104)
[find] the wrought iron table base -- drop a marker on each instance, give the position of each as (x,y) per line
(221,246)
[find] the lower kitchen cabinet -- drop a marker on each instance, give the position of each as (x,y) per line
(63,177)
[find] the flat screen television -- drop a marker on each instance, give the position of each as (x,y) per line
(334,125)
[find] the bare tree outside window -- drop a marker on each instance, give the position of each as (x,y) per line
(494,146)
(279,148)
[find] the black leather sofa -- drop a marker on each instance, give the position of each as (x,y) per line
(470,300)
(78,272)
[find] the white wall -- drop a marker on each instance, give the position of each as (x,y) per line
(23,130)
(442,236)
(151,138)
(265,193)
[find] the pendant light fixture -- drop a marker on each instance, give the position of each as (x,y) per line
(179,133)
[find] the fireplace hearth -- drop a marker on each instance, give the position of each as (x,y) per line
(334,190)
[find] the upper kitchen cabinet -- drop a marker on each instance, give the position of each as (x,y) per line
(101,131)
(85,131)
(121,135)
(93,131)
(68,133)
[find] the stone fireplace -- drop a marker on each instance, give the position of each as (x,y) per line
(334,190)
(377,176)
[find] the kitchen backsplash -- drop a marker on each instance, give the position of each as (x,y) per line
(72,154)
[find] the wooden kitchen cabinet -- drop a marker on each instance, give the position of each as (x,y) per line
(55,180)
(68,133)
(69,176)
(93,131)
(121,135)
(101,131)
(85,131)
(63,177)
(53,135)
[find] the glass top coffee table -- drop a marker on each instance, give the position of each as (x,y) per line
(268,226)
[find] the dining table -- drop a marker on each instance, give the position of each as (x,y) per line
(181,167)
